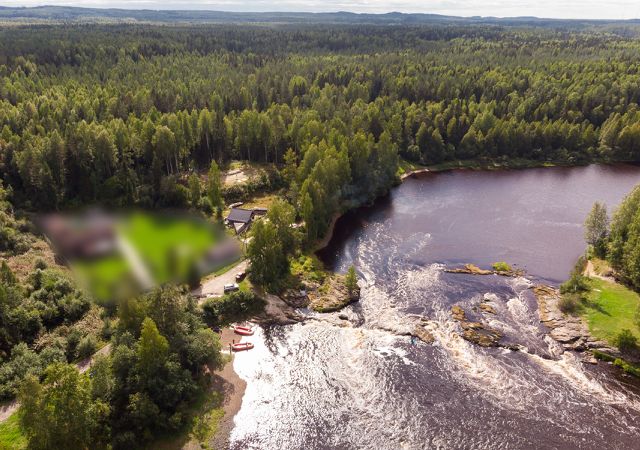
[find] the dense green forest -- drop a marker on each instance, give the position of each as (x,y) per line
(623,240)
(119,113)
(137,115)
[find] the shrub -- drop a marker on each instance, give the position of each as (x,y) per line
(233,307)
(628,368)
(206,206)
(40,264)
(576,283)
(626,341)
(87,346)
(569,303)
(24,361)
(501,266)
(73,340)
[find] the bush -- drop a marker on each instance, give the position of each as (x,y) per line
(73,340)
(234,307)
(501,266)
(626,341)
(628,368)
(576,283)
(108,329)
(569,303)
(206,206)
(23,362)
(87,346)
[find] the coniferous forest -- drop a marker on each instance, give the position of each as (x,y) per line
(117,113)
(135,115)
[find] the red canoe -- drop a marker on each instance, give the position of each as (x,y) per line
(243,331)
(241,346)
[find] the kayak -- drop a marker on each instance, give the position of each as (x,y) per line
(241,346)
(243,331)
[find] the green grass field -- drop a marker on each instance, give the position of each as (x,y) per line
(611,308)
(11,437)
(168,245)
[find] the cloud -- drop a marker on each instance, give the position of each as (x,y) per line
(591,9)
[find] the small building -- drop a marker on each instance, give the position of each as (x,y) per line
(240,219)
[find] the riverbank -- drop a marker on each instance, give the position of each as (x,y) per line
(571,332)
(407,169)
(232,387)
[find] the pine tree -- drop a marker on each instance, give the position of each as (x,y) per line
(596,227)
(214,186)
(351,281)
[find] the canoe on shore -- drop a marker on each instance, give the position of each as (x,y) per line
(241,346)
(243,331)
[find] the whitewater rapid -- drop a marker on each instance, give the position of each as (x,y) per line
(360,383)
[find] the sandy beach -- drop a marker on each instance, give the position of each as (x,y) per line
(233,387)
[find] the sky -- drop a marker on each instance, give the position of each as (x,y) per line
(572,9)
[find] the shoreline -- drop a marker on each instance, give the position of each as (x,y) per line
(452,166)
(570,332)
(280,313)
(232,387)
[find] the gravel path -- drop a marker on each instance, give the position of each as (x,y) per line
(214,287)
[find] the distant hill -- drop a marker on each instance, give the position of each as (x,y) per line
(67,13)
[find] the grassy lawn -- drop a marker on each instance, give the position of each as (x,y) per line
(103,276)
(610,309)
(11,437)
(168,245)
(260,201)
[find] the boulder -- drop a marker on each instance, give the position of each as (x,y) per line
(487,308)
(458,313)
(423,335)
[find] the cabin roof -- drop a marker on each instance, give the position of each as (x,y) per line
(240,215)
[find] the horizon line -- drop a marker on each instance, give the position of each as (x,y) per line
(342,11)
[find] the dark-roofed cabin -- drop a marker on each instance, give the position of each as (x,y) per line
(240,219)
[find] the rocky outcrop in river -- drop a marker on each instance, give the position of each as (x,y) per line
(570,331)
(476,332)
(472,269)
(329,296)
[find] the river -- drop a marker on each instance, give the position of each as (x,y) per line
(359,384)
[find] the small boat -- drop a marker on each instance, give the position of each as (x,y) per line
(241,346)
(243,331)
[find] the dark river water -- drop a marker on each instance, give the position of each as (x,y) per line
(335,384)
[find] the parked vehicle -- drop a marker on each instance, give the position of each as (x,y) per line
(241,276)
(231,288)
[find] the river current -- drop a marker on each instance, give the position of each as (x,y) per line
(360,384)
